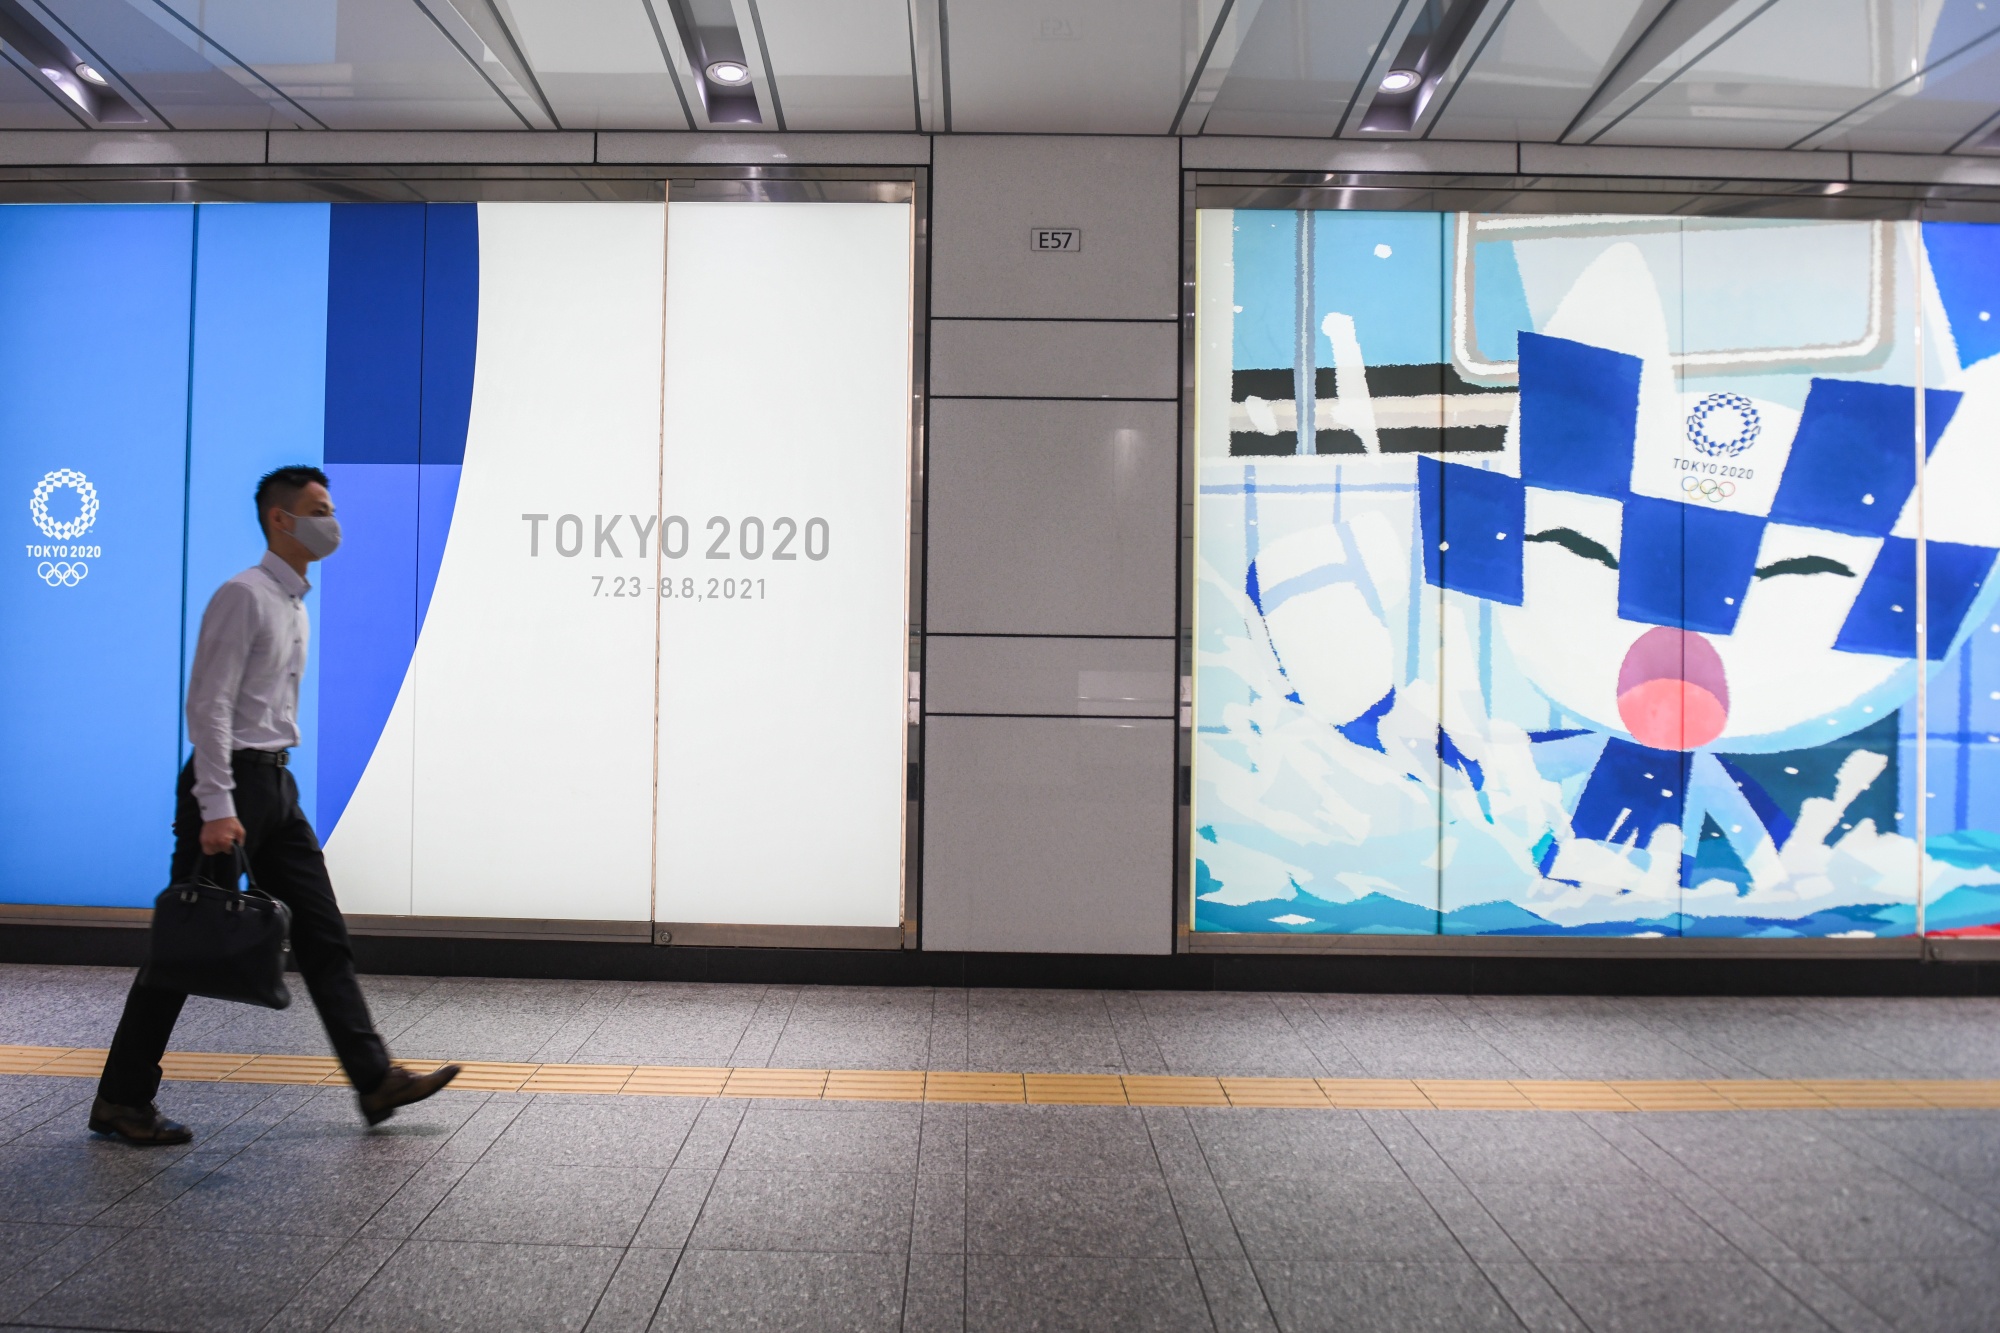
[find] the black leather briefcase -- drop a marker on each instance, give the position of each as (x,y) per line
(220,942)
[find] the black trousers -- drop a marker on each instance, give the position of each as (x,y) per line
(285,857)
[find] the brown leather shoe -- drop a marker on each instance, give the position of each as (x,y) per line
(401,1088)
(143,1125)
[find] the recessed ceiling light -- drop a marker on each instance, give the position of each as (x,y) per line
(729,73)
(1400,80)
(1835,187)
(90,75)
(65,85)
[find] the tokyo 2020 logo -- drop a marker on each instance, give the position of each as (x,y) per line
(1723,425)
(63,573)
(86,494)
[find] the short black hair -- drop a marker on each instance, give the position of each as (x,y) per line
(281,486)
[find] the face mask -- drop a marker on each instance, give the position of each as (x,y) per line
(318,533)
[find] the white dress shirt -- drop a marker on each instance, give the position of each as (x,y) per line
(243,690)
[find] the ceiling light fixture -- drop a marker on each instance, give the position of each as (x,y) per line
(1423,64)
(1835,187)
(40,50)
(717,57)
(68,87)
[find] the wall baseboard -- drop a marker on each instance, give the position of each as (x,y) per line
(1358,973)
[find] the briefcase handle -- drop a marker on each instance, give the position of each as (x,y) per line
(242,860)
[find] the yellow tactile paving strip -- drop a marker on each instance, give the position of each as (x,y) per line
(896,1085)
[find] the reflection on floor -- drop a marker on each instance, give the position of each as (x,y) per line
(549,1210)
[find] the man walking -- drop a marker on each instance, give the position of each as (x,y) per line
(242,714)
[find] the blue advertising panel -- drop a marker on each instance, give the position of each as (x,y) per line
(154,362)
(94,371)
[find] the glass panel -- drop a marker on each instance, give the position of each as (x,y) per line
(338,336)
(1665,490)
(400,327)
(783,666)
(1576,826)
(1317,770)
(1794,471)
(533,687)
(1962,529)
(93,450)
(258,375)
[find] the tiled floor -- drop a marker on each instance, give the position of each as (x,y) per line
(502,1210)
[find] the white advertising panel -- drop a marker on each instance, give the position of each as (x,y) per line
(783,560)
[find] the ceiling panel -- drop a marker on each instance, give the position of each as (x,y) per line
(1929,113)
(841,67)
(358,64)
(598,62)
(1537,70)
(24,106)
(1298,66)
(164,64)
(476,29)
(1068,66)
(1943,28)
(1876,75)
(1794,69)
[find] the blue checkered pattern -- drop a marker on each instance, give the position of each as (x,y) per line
(1853,461)
(1472,521)
(1851,469)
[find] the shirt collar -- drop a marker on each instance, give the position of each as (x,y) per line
(286,577)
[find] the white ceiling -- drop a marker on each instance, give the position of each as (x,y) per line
(1917,76)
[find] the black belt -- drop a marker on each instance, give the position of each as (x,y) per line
(275,758)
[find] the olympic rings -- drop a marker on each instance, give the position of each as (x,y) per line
(1708,488)
(1748,425)
(62,573)
(86,494)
